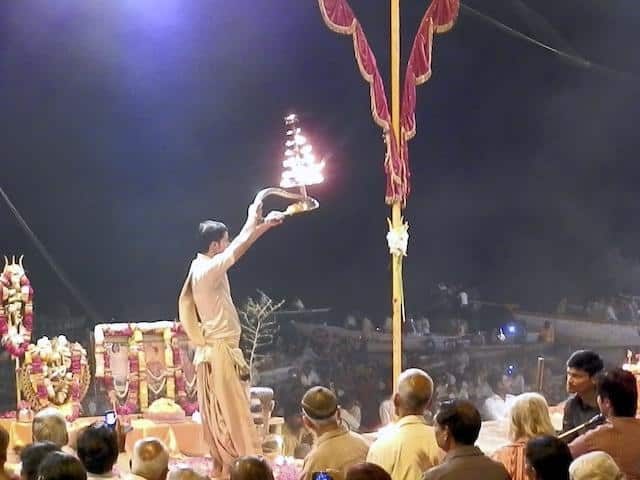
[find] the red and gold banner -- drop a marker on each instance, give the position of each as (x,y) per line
(439,17)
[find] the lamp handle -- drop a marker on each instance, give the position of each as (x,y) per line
(304,203)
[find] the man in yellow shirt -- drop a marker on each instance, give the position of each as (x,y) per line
(407,448)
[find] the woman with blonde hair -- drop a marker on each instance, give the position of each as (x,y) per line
(528,418)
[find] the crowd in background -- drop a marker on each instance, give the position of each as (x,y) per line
(362,378)
(598,439)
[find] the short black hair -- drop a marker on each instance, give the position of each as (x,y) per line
(210,231)
(550,457)
(32,456)
(61,466)
(462,419)
(98,448)
(619,386)
(587,361)
(367,471)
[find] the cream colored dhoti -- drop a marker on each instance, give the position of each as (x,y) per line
(224,404)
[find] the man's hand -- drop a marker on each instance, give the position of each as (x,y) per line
(274,218)
(254,214)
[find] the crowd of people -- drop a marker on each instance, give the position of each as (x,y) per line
(599,437)
(98,453)
(361,378)
(621,308)
(598,440)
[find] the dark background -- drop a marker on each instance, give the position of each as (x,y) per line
(124,123)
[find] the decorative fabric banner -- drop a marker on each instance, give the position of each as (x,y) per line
(439,17)
(339,17)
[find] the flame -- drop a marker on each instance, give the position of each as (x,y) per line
(301,168)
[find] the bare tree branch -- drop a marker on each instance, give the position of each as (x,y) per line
(259,327)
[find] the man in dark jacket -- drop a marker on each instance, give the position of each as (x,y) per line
(457,428)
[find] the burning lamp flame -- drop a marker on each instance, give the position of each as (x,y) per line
(301,169)
(300,164)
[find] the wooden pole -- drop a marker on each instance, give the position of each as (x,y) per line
(396,214)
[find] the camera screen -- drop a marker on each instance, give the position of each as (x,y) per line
(110,418)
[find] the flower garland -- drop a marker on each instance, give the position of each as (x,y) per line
(55,372)
(103,369)
(184,397)
(16,309)
(285,468)
(137,390)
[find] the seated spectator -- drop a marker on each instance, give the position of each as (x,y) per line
(496,407)
(308,376)
(367,471)
(595,466)
(528,418)
(620,435)
(184,473)
(335,446)
(98,451)
(547,334)
(517,384)
(32,456)
(150,460)
(50,425)
(350,411)
(458,425)
(482,389)
(294,435)
(548,458)
(385,412)
(583,368)
(251,468)
(61,466)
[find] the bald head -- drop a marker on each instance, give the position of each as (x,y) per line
(413,393)
(150,459)
(185,474)
(251,468)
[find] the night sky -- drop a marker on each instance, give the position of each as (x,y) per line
(124,123)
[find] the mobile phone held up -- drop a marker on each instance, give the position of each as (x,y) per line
(110,418)
(321,476)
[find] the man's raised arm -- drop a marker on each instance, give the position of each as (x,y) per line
(253,228)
